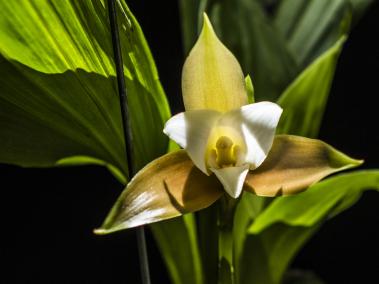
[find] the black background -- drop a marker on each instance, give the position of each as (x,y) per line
(47,215)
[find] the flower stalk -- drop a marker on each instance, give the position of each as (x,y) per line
(227,207)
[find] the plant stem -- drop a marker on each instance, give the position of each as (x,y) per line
(127,129)
(225,240)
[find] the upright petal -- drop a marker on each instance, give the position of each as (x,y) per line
(257,124)
(191,131)
(212,77)
(232,178)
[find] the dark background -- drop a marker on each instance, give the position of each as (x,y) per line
(48,214)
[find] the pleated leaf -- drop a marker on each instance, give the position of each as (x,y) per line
(312,27)
(58,97)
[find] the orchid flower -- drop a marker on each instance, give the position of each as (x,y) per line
(228,146)
(220,132)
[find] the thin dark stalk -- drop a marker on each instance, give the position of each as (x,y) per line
(142,250)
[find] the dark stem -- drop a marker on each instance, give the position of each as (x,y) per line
(142,250)
(225,240)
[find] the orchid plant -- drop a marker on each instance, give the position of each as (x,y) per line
(228,146)
(59,107)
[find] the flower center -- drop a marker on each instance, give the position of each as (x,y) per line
(226,152)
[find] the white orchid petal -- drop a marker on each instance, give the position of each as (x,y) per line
(232,178)
(257,123)
(191,131)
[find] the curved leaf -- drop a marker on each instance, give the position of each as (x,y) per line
(304,101)
(323,199)
(280,231)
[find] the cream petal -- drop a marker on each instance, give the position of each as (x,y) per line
(257,124)
(232,178)
(212,77)
(191,130)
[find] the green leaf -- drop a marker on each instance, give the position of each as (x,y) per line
(304,101)
(58,93)
(267,254)
(311,27)
(58,97)
(281,230)
(248,208)
(320,201)
(178,243)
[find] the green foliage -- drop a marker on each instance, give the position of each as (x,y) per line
(59,97)
(323,200)
(177,240)
(279,232)
(304,101)
(59,106)
(291,51)
(271,46)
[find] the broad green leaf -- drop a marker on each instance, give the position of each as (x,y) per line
(51,119)
(178,243)
(279,232)
(311,27)
(304,101)
(58,95)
